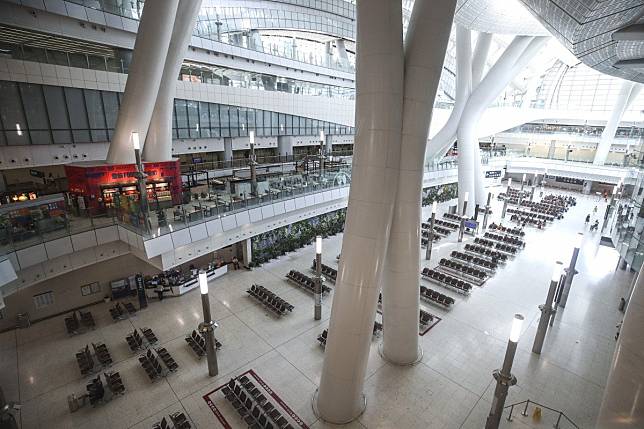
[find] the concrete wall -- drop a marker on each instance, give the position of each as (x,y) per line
(67,288)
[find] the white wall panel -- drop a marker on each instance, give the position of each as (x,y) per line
(198,232)
(84,240)
(228,222)
(181,237)
(31,256)
(242,218)
(267,211)
(214,227)
(59,247)
(255,214)
(158,246)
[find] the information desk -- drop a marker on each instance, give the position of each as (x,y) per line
(188,285)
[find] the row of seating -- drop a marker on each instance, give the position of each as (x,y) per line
(437,230)
(102,354)
(151,365)
(73,322)
(118,312)
(435,297)
(305,282)
(453,216)
(114,383)
(377,329)
(425,240)
(447,280)
(253,406)
(84,360)
(543,217)
(167,359)
(327,272)
(270,300)
(524,221)
(96,389)
(475,260)
(493,255)
(507,248)
(464,269)
(424,318)
(178,419)
(445,224)
(560,200)
(512,231)
(197,343)
(507,239)
(134,341)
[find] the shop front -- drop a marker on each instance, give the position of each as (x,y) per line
(98,189)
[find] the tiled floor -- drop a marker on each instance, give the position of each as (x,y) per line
(451,388)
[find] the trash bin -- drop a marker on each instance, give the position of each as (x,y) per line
(22,320)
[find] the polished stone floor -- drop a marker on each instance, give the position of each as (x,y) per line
(451,388)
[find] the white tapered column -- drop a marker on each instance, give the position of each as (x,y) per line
(158,144)
(465,82)
(426,42)
(379,91)
(623,402)
(479,59)
(627,93)
(144,78)
(496,79)
(444,139)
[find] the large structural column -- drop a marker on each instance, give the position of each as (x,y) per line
(479,59)
(285,145)
(144,78)
(446,136)
(627,94)
(158,144)
(343,57)
(469,70)
(228,149)
(623,403)
(425,45)
(379,92)
(513,59)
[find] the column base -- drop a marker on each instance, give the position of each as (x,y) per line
(316,412)
(419,357)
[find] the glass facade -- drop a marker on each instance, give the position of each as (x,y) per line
(43,114)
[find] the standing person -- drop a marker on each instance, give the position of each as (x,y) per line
(159,290)
(587,219)
(595,210)
(235,263)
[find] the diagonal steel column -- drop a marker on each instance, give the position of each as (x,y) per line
(158,144)
(425,45)
(143,79)
(376,159)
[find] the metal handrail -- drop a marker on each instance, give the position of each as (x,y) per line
(524,413)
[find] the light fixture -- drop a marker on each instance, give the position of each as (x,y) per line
(466,196)
(18,130)
(251,136)
(170,227)
(515,331)
(318,245)
(509,182)
(203,282)
(523,180)
(321,135)
(579,239)
(614,189)
(135,141)
(556,272)
(434,207)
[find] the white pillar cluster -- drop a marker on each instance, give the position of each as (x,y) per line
(158,144)
(426,42)
(628,92)
(159,49)
(474,93)
(379,93)
(623,402)
(385,73)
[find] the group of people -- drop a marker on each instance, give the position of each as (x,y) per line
(595,225)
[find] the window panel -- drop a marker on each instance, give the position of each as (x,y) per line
(77,115)
(111,105)
(36,113)
(234,121)
(11,114)
(193,118)
(204,119)
(95,115)
(224,120)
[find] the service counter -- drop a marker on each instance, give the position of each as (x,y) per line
(189,284)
